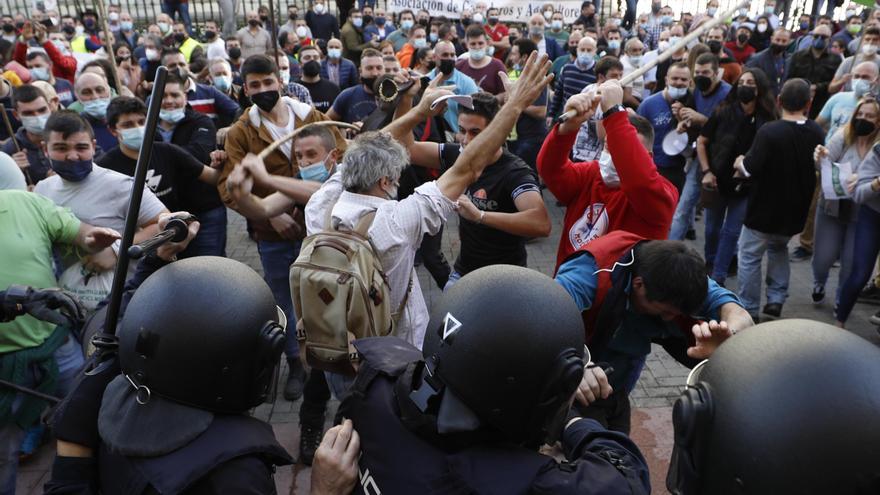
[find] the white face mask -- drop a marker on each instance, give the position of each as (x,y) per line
(662,46)
(869,49)
(607,170)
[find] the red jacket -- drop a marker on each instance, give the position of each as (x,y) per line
(741,55)
(63,66)
(643,204)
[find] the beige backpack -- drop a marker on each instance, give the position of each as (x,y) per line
(340,293)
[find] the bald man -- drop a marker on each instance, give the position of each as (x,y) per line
(93,91)
(444,58)
(536,29)
(574,76)
(817,65)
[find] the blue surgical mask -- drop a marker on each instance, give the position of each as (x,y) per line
(334,53)
(96,108)
(433,37)
(614,44)
(222,83)
(316,172)
(40,73)
(556,25)
(420,42)
(35,124)
(173,116)
(72,170)
(820,43)
(666,19)
(769,10)
(477,55)
(711,11)
(861,87)
(406,24)
(357,21)
(132,138)
(126,25)
(676,93)
(585,60)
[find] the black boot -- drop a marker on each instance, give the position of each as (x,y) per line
(296,378)
(309,439)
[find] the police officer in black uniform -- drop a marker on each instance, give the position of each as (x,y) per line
(503,356)
(199,341)
(786,407)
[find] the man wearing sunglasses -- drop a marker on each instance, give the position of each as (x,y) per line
(817,65)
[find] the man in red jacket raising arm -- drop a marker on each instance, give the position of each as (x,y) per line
(621,191)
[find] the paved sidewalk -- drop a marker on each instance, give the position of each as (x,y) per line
(659,386)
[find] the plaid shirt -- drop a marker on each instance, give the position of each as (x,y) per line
(298,91)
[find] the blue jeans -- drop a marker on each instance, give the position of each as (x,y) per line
(70,360)
(172,7)
(723,225)
(276,258)
(453,278)
(866,247)
(683,220)
(835,239)
(211,239)
(752,246)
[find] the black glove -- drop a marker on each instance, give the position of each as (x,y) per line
(52,305)
(76,418)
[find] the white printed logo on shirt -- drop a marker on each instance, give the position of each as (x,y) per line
(592,224)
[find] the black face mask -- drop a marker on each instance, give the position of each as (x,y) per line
(777,49)
(466,21)
(8,28)
(20,24)
(253,23)
(655,8)
(703,83)
(179,37)
(512,39)
(746,94)
(573,50)
(210,35)
(742,38)
(266,100)
(264,18)
(368,82)
(493,21)
(423,22)
(368,19)
(292,17)
(863,127)
(68,30)
(234,53)
(714,46)
(311,68)
(447,66)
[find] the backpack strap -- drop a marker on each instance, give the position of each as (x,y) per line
(396,314)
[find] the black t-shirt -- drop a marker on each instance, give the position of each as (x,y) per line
(783,176)
(733,131)
(171,170)
(495,191)
(323,93)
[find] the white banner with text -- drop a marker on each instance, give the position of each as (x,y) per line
(509,10)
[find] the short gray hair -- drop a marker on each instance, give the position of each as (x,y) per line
(369,158)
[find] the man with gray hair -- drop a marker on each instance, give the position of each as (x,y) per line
(368,178)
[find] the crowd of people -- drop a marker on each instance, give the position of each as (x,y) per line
(765,127)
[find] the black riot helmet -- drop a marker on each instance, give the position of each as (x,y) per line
(204,332)
(509,343)
(790,406)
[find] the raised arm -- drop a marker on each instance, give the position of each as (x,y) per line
(480,152)
(423,154)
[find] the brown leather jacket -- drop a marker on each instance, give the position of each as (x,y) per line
(249,135)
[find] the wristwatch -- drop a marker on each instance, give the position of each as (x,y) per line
(611,111)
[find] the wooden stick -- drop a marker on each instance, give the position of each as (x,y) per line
(27,175)
(283,139)
(682,43)
(99,6)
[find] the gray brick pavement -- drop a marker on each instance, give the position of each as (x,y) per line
(658,387)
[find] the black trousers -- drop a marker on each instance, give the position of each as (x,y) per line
(316,393)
